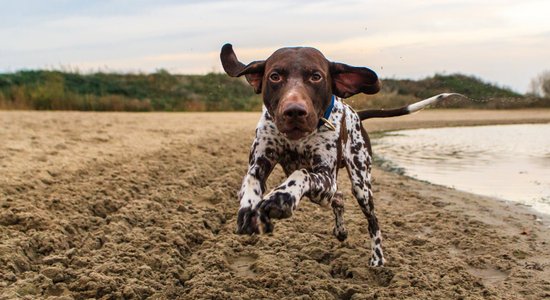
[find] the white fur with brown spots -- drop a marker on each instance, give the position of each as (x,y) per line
(297,85)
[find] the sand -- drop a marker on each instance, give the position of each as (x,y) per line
(132,205)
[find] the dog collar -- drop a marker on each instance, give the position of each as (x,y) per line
(324,120)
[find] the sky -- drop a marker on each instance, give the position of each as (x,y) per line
(502,42)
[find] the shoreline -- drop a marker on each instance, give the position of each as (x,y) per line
(542,218)
(137,205)
(389,166)
(441,118)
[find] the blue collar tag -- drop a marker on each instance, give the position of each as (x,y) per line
(326,115)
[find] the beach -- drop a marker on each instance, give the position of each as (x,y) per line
(138,205)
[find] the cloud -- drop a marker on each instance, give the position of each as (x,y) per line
(397,38)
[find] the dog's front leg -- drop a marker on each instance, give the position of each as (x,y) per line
(282,201)
(261,163)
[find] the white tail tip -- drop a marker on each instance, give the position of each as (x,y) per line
(432,100)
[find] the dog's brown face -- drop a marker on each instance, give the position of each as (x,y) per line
(295,89)
(297,85)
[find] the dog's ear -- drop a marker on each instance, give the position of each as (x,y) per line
(254,71)
(348,81)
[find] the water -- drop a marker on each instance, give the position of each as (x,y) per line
(510,162)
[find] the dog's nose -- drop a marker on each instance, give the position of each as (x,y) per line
(295,111)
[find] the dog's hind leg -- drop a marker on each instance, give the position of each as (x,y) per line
(363,193)
(358,164)
(337,203)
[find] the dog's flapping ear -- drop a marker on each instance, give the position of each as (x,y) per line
(254,71)
(348,81)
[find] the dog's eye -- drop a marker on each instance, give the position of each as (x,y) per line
(316,77)
(275,77)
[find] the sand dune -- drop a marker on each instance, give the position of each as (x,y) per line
(132,205)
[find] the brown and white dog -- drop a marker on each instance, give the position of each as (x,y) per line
(311,133)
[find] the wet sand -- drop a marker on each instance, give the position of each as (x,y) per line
(131,205)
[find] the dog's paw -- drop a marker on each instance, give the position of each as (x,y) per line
(376,261)
(251,221)
(248,220)
(341,233)
(278,205)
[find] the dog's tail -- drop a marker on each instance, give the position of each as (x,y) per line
(405,110)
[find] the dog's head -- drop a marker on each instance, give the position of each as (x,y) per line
(297,85)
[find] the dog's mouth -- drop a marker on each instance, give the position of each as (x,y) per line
(295,133)
(295,129)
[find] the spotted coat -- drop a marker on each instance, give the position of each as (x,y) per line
(311,165)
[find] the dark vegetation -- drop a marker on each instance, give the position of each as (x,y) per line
(162,91)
